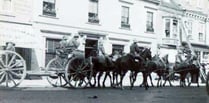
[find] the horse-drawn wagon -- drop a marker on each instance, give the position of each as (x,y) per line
(74,68)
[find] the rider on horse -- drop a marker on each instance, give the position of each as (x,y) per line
(101,53)
(134,50)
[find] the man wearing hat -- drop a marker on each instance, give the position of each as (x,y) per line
(74,42)
(10,46)
(134,50)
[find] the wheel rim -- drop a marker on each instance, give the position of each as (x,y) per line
(78,73)
(56,68)
(12,69)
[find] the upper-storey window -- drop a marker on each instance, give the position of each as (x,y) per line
(49,7)
(167,27)
(125,17)
(149,25)
(201,32)
(175,28)
(93,11)
(6,5)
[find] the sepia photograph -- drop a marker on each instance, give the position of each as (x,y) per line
(104,51)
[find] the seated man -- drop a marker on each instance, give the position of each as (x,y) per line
(179,60)
(62,49)
(134,50)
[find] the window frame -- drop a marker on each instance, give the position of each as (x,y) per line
(150,21)
(6,11)
(93,17)
(51,12)
(166,27)
(123,17)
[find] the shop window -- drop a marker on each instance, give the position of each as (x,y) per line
(117,48)
(51,45)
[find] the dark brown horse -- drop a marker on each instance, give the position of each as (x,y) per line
(160,67)
(127,63)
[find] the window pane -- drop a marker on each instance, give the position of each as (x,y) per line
(149,22)
(167,27)
(49,8)
(125,15)
(7,5)
(93,7)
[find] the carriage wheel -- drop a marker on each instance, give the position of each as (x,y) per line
(12,68)
(78,72)
(207,83)
(56,68)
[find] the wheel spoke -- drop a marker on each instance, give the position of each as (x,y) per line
(12,79)
(2,62)
(7,79)
(2,77)
(60,80)
(17,63)
(15,74)
(6,59)
(11,60)
(17,69)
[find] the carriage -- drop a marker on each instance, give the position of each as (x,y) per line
(71,68)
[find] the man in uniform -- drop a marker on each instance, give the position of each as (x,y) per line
(134,50)
(63,45)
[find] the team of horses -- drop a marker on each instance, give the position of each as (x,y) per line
(146,64)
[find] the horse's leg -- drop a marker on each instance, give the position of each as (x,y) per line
(98,79)
(150,77)
(94,80)
(121,79)
(103,83)
(131,79)
(134,77)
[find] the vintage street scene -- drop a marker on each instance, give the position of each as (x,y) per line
(104,51)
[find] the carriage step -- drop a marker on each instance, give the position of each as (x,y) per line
(38,73)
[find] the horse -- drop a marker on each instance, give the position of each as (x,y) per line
(101,64)
(127,62)
(160,67)
(184,70)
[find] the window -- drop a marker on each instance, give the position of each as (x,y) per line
(93,11)
(117,48)
(49,7)
(150,22)
(125,17)
(51,45)
(175,28)
(6,5)
(167,27)
(200,37)
(201,31)
(205,55)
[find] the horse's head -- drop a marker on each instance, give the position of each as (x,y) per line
(146,53)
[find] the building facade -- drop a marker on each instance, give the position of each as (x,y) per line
(194,15)
(37,26)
